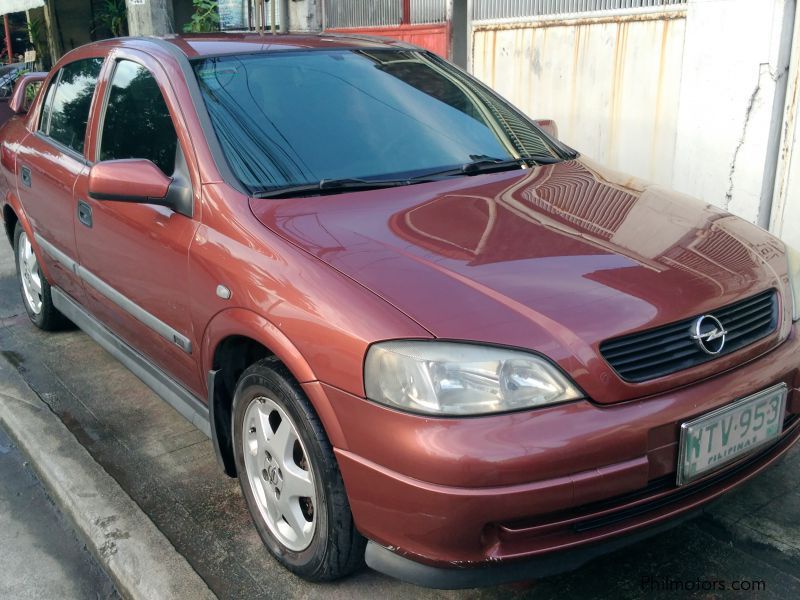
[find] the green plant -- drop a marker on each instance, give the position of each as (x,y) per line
(38,38)
(205,17)
(114,17)
(31,91)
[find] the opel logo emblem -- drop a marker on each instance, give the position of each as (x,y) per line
(709,334)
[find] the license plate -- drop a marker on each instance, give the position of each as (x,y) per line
(722,436)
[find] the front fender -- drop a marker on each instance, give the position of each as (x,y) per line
(245,323)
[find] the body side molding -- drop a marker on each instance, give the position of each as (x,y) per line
(125,303)
(162,384)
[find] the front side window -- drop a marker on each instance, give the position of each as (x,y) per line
(137,123)
(292,118)
(68,101)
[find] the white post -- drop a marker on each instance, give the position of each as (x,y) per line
(785,215)
(150,17)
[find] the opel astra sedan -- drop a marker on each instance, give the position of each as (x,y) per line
(419,329)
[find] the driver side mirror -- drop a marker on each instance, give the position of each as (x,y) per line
(25,91)
(549,127)
(140,181)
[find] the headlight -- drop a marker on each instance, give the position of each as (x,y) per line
(794,280)
(448,378)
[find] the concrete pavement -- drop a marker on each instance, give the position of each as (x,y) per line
(124,541)
(750,540)
(41,557)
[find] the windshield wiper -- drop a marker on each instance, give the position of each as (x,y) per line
(335,186)
(481,164)
(489,164)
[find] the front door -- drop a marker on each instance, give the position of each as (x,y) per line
(135,256)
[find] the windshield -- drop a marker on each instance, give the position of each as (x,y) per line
(296,118)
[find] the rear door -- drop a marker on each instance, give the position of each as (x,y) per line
(50,161)
(136,255)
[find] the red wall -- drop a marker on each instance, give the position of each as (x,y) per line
(435,38)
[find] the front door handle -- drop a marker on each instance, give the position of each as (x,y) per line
(84,213)
(25,175)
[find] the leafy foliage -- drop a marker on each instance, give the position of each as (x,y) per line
(38,37)
(205,17)
(114,17)
(31,91)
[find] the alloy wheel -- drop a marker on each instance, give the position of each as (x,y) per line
(279,473)
(29,274)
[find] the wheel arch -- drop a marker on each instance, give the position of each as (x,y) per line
(13,213)
(235,339)
(10,220)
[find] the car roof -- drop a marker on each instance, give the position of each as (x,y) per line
(215,44)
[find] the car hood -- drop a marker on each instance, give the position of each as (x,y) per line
(555,259)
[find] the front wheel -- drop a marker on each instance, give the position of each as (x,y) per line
(290,478)
(33,285)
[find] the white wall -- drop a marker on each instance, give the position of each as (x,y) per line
(691,98)
(731,91)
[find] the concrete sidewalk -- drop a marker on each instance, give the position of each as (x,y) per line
(142,563)
(41,556)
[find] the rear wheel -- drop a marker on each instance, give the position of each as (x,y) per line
(290,478)
(34,287)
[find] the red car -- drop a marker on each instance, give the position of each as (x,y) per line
(416,326)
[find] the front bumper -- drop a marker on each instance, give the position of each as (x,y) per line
(449,494)
(393,564)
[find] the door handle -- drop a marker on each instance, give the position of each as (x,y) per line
(84,213)
(25,175)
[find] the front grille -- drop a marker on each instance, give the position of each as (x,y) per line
(668,349)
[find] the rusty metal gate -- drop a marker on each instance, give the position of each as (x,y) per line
(420,22)
(608,71)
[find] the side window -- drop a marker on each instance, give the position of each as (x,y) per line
(44,120)
(70,103)
(137,123)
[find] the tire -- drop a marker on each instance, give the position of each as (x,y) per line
(35,290)
(290,478)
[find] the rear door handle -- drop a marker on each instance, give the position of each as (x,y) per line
(84,213)
(25,175)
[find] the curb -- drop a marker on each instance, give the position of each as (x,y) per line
(139,559)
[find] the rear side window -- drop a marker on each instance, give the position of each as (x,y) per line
(137,123)
(68,101)
(44,122)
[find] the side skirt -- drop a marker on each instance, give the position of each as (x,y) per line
(162,384)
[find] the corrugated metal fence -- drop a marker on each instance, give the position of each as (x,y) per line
(357,13)
(382,13)
(428,11)
(419,22)
(511,9)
